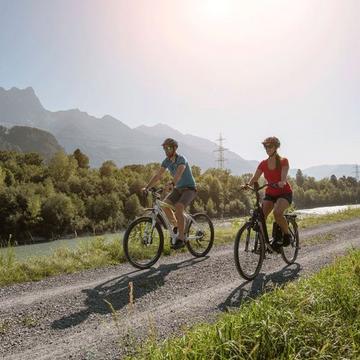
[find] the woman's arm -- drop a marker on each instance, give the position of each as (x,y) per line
(255,177)
(284,174)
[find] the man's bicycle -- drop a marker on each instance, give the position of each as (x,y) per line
(144,238)
(252,240)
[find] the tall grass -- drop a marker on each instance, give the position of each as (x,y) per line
(315,318)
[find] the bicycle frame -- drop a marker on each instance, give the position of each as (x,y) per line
(259,217)
(157,211)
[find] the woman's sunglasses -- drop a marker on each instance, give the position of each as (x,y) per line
(268,146)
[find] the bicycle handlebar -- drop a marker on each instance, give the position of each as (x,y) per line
(153,191)
(257,189)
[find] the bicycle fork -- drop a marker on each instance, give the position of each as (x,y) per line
(149,230)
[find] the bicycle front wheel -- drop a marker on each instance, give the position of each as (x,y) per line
(289,253)
(143,243)
(200,235)
(249,252)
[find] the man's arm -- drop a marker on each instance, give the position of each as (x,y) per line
(179,171)
(155,178)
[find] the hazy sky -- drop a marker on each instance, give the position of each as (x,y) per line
(248,69)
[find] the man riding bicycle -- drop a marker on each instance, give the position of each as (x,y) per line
(183,187)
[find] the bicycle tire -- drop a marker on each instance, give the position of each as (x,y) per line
(137,256)
(253,254)
(289,253)
(200,247)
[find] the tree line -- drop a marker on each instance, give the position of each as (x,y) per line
(64,196)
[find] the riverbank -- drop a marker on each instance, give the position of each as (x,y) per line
(100,253)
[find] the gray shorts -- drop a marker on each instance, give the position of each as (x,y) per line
(184,196)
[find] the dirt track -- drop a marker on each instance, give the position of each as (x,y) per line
(67,317)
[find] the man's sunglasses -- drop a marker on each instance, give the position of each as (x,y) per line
(268,146)
(168,148)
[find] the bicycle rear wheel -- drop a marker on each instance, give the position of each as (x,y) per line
(249,252)
(289,253)
(200,235)
(143,243)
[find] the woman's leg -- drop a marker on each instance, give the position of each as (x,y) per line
(267,206)
(280,206)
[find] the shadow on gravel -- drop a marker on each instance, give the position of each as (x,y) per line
(116,292)
(262,283)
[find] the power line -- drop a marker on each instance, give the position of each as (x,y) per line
(221,150)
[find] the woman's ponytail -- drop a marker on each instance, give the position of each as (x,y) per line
(278,161)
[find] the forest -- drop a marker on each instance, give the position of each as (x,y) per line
(65,197)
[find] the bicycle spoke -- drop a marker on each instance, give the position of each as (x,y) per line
(143,243)
(200,235)
(289,253)
(249,252)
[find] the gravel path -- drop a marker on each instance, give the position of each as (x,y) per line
(67,317)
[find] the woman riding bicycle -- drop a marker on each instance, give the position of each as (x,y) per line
(275,170)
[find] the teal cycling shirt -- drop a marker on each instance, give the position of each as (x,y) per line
(187,179)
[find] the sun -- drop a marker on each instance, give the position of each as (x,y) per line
(213,10)
(217,9)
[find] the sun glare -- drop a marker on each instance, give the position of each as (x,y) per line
(213,10)
(217,9)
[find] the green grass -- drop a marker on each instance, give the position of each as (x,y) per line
(310,221)
(99,253)
(315,318)
(94,254)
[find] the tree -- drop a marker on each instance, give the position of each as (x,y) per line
(82,159)
(299,178)
(196,171)
(106,209)
(132,207)
(210,208)
(333,180)
(61,167)
(58,213)
(2,177)
(107,168)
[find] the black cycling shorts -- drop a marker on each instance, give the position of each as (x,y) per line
(272,198)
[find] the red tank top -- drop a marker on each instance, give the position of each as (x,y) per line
(274,176)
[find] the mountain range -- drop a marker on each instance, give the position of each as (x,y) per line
(325,171)
(29,139)
(108,138)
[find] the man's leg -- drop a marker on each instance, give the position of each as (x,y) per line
(179,213)
(171,199)
(185,199)
(170,214)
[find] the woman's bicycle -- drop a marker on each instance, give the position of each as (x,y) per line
(252,240)
(144,238)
